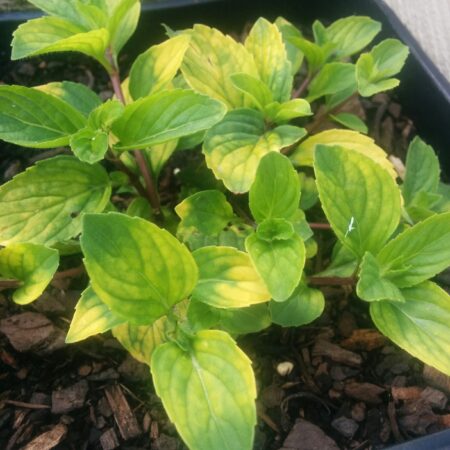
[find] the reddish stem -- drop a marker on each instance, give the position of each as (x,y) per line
(299,91)
(319,226)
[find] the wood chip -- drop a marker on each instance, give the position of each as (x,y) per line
(124,417)
(437,379)
(366,392)
(70,398)
(406,393)
(336,353)
(49,439)
(435,398)
(31,331)
(364,339)
(109,440)
(305,435)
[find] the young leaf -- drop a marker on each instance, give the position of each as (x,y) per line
(140,207)
(275,193)
(418,253)
(91,317)
(315,54)
(334,77)
(207,212)
(159,154)
(139,270)
(208,391)
(301,308)
(284,112)
(210,60)
(45,203)
(32,118)
(154,70)
(227,279)
(372,285)
(75,94)
(374,69)
(165,116)
(102,117)
(122,22)
(419,325)
(352,34)
(33,265)
(266,45)
(304,153)
(141,340)
(351,121)
(53,8)
(256,90)
(53,34)
(289,31)
(343,263)
(359,198)
(89,145)
(279,262)
(235,146)
(422,170)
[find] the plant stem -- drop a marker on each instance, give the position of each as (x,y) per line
(10,284)
(151,192)
(299,91)
(332,281)
(321,117)
(319,226)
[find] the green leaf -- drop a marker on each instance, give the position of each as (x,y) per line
(284,112)
(207,212)
(227,279)
(418,253)
(315,54)
(374,69)
(275,193)
(31,118)
(352,34)
(91,317)
(309,193)
(372,286)
(33,265)
(304,153)
(141,340)
(265,43)
(140,207)
(359,198)
(210,60)
(301,308)
(208,391)
(419,325)
(235,146)
(165,116)
(45,203)
(75,94)
(89,145)
(158,155)
(257,91)
(275,230)
(138,269)
(154,70)
(351,121)
(53,7)
(251,319)
(122,22)
(333,77)
(289,31)
(105,115)
(343,263)
(53,34)
(422,170)
(279,262)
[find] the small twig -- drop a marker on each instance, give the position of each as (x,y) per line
(331,281)
(69,273)
(319,226)
(10,284)
(267,420)
(26,405)
(393,422)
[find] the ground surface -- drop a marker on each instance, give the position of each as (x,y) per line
(340,385)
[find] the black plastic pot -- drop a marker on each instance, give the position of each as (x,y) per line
(424,93)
